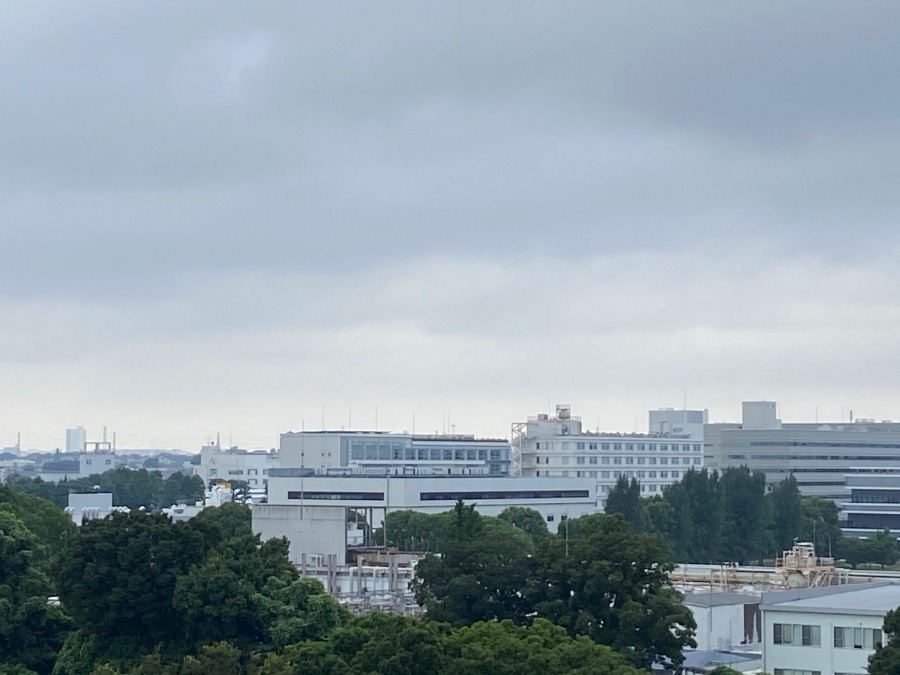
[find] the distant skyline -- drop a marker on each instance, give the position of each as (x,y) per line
(219,216)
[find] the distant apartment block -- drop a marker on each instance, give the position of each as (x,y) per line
(816,454)
(559,447)
(379,453)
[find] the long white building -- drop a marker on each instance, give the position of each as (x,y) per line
(235,464)
(380,452)
(559,447)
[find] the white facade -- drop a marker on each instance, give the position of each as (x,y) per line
(726,621)
(825,631)
(90,463)
(399,454)
(315,533)
(76,439)
(235,464)
(558,447)
(91,506)
(556,499)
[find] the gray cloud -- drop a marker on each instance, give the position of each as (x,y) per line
(311,190)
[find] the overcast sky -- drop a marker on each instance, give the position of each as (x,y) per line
(228,216)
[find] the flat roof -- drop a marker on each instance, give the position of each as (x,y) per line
(867,599)
(720,599)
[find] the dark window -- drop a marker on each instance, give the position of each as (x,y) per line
(348,496)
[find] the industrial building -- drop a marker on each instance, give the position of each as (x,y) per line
(818,455)
(560,447)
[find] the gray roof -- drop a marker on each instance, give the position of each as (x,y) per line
(864,599)
(719,599)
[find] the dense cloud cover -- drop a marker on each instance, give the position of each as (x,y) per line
(226,216)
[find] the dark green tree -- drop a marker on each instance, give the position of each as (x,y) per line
(612,586)
(886,659)
(787,513)
(502,648)
(531,522)
(479,574)
(746,516)
(625,499)
(119,577)
(820,524)
(883,547)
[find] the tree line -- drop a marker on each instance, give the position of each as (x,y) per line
(712,517)
(129,487)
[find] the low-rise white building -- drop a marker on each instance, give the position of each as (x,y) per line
(559,447)
(825,631)
(726,621)
(235,464)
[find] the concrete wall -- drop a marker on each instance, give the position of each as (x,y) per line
(315,531)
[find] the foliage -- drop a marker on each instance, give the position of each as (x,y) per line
(886,659)
(787,513)
(31,629)
(612,586)
(625,499)
(479,575)
(531,522)
(491,648)
(131,488)
(414,531)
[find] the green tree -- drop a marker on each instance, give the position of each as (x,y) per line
(820,524)
(612,585)
(414,531)
(479,574)
(531,522)
(787,513)
(625,499)
(502,648)
(883,547)
(856,551)
(119,577)
(31,630)
(886,659)
(746,516)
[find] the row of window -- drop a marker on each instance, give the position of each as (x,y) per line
(817,458)
(239,472)
(800,635)
(371,451)
(651,487)
(796,671)
(631,447)
(614,474)
(628,461)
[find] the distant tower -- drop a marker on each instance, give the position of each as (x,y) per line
(76,439)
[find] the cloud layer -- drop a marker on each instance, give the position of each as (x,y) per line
(222,216)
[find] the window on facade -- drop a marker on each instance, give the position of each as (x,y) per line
(617,460)
(696,447)
(663,460)
(857,638)
(652,460)
(652,488)
(565,460)
(651,474)
(604,474)
(593,474)
(592,460)
(629,446)
(579,446)
(213,472)
(685,448)
(697,460)
(797,635)
(579,460)
(604,460)
(604,446)
(664,447)
(550,518)
(642,460)
(663,474)
(617,446)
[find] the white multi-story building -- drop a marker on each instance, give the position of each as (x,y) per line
(399,454)
(96,458)
(76,439)
(559,447)
(825,631)
(235,464)
(817,454)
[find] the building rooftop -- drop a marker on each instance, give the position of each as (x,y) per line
(869,599)
(719,599)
